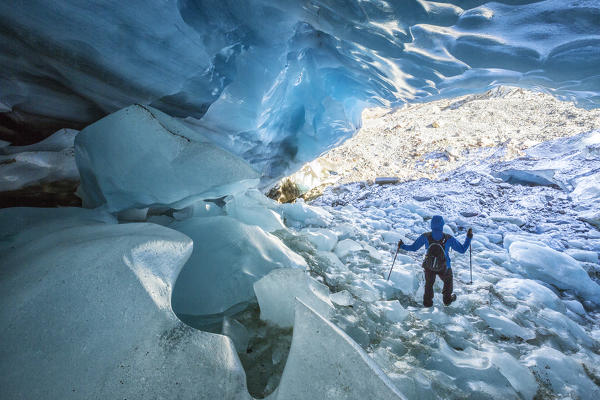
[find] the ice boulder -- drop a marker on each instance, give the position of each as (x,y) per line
(562,326)
(322,239)
(393,310)
(567,377)
(554,267)
(347,246)
(529,292)
(277,291)
(503,325)
(342,298)
(254,208)
(30,168)
(583,255)
(86,313)
(139,157)
(59,140)
(592,217)
(543,177)
(405,280)
(301,214)
(325,363)
(586,187)
(228,258)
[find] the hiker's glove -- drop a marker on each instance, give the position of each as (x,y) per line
(400,243)
(470,233)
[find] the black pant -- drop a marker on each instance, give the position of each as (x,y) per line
(446,277)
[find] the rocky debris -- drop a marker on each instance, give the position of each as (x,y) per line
(405,143)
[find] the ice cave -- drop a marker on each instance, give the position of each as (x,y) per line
(242,199)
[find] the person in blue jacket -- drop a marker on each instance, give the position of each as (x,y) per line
(437,226)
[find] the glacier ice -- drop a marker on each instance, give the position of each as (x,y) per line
(301,214)
(59,140)
(228,257)
(325,363)
(277,293)
(21,225)
(254,208)
(322,239)
(139,157)
(503,325)
(393,310)
(559,269)
(529,292)
(566,376)
(237,332)
(279,83)
(86,313)
(47,161)
(342,298)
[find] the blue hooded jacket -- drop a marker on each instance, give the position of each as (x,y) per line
(437,231)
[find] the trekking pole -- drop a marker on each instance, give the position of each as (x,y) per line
(470,264)
(390,274)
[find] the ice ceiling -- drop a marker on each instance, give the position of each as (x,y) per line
(279,82)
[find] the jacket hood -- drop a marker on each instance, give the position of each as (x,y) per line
(437,223)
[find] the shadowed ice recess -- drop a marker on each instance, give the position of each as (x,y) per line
(278,83)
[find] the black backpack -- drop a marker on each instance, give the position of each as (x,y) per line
(435,259)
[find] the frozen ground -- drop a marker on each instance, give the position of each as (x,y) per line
(528,324)
(426,140)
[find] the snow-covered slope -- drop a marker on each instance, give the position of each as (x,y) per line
(426,140)
(533,308)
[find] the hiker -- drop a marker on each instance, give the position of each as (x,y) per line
(437,262)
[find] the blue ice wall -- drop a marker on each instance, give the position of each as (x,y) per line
(279,82)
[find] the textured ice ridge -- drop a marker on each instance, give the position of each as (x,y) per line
(281,82)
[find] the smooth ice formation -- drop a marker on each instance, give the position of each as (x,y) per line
(139,157)
(279,83)
(254,208)
(86,313)
(347,246)
(277,293)
(236,332)
(405,279)
(227,259)
(300,213)
(559,269)
(21,225)
(504,326)
(48,161)
(322,239)
(393,310)
(529,292)
(325,363)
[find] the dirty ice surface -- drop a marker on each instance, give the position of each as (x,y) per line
(528,324)
(426,140)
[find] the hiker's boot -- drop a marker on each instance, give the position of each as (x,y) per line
(452,299)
